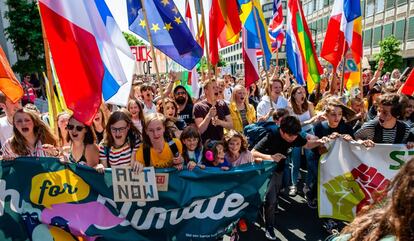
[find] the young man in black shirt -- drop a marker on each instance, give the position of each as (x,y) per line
(274,147)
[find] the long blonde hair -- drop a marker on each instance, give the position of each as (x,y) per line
(233,95)
(42,132)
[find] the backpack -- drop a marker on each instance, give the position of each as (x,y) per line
(257,131)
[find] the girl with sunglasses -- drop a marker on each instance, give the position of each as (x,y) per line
(83,147)
(121,140)
(31,137)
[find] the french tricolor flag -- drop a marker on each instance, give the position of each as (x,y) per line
(251,70)
(90,54)
(344,31)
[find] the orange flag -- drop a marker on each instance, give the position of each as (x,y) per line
(9,84)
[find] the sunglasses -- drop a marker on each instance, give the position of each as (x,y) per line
(72,127)
(180,93)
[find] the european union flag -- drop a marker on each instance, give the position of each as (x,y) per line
(169,31)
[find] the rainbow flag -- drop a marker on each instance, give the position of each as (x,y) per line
(300,49)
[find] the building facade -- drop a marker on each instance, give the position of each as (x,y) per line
(381,18)
(4,43)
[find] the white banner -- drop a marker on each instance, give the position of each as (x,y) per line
(352,176)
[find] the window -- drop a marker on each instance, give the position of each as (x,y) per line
(377,36)
(399,29)
(390,4)
(379,6)
(284,4)
(325,23)
(410,32)
(320,25)
(325,3)
(367,37)
(388,30)
(401,2)
(267,7)
(370,8)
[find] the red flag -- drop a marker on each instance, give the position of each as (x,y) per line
(9,84)
(225,26)
(408,88)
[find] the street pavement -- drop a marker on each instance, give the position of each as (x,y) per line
(295,221)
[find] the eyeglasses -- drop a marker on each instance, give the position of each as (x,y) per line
(120,129)
(72,127)
(180,93)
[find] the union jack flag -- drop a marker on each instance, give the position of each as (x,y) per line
(276,26)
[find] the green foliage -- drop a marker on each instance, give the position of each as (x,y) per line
(25,33)
(202,65)
(132,39)
(390,53)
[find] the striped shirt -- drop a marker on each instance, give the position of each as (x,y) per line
(367,132)
(36,152)
(118,156)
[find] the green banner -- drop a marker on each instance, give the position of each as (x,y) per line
(41,199)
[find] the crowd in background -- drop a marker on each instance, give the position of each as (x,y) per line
(219,126)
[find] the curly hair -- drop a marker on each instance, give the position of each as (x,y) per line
(160,106)
(236,134)
(42,132)
(395,218)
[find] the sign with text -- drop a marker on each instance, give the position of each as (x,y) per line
(162,181)
(350,177)
(131,186)
(145,63)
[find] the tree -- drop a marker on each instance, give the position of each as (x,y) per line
(390,53)
(25,33)
(203,63)
(133,40)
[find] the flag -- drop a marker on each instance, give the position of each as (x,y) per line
(224,26)
(200,35)
(9,84)
(251,70)
(247,17)
(300,49)
(192,75)
(276,31)
(168,31)
(344,31)
(90,57)
(408,88)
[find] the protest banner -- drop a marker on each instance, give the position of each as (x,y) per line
(145,65)
(41,199)
(350,176)
(131,186)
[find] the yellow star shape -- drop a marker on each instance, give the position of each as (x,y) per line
(175,10)
(142,23)
(165,2)
(155,27)
(177,20)
(168,26)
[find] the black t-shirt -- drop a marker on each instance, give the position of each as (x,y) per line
(274,143)
(201,110)
(187,114)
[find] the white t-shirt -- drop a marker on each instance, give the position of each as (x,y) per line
(147,110)
(264,106)
(6,130)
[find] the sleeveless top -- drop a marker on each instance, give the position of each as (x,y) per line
(302,118)
(82,160)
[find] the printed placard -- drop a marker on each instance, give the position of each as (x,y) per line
(129,186)
(162,181)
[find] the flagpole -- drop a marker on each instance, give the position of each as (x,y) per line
(197,37)
(269,88)
(205,38)
(343,75)
(49,79)
(144,11)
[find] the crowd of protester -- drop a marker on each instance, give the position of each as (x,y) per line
(218,127)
